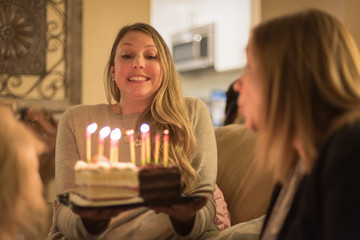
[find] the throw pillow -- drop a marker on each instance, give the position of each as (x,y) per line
(222,218)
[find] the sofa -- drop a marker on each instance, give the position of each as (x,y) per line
(243,189)
(246,187)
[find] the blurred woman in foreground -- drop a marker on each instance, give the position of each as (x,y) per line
(22,206)
(301,93)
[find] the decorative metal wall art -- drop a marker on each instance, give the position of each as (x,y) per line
(23,37)
(40,51)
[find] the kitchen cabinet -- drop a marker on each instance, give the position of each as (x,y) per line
(231,18)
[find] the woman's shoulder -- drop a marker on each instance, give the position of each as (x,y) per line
(192,100)
(194,103)
(346,136)
(86,111)
(341,150)
(82,108)
(85,107)
(198,111)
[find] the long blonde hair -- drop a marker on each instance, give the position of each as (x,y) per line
(168,109)
(22,205)
(311,78)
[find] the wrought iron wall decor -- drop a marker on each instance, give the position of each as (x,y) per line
(40,51)
(22,37)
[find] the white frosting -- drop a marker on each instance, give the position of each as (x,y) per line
(106,180)
(81,165)
(104,165)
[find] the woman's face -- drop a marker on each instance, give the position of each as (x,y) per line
(137,68)
(249,87)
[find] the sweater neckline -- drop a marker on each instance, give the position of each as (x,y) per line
(123,116)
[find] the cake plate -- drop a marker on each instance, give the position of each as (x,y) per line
(185,199)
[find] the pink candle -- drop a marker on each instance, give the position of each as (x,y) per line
(104,132)
(144,129)
(89,131)
(157,148)
(166,147)
(115,136)
(130,133)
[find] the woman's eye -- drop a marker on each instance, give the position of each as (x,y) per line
(151,57)
(126,56)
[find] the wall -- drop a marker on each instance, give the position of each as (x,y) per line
(101,22)
(347,11)
(352,9)
(273,8)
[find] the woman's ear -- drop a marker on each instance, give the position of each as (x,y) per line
(112,71)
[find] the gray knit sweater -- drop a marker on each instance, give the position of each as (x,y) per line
(141,222)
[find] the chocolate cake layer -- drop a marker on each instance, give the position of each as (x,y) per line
(159,183)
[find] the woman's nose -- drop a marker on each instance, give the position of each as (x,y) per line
(238,85)
(138,62)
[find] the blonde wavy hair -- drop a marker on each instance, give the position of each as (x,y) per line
(311,85)
(22,205)
(168,109)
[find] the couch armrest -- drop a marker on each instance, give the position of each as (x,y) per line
(247,189)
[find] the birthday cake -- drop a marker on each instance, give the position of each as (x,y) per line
(106,183)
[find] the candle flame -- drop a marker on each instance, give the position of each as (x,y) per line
(104,132)
(144,128)
(130,132)
(115,134)
(92,128)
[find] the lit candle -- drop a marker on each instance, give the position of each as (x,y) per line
(104,132)
(115,135)
(89,131)
(166,147)
(130,133)
(144,129)
(157,148)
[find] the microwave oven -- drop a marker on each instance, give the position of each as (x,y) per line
(193,49)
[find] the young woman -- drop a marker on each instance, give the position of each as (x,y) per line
(142,86)
(22,205)
(301,93)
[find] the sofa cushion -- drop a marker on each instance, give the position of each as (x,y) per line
(247,189)
(222,218)
(242,231)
